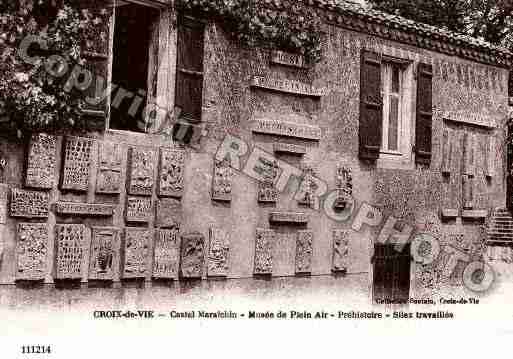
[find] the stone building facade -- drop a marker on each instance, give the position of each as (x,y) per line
(403,117)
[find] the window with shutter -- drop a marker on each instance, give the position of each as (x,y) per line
(424,114)
(391,274)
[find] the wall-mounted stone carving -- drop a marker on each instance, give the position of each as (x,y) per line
(267,192)
(32,251)
(288,218)
(264,245)
(468,192)
(344,185)
(289,148)
(288,129)
(105,251)
(4,200)
(304,251)
(307,188)
(171,172)
(139,209)
(85,209)
(29,204)
(77,163)
(109,180)
(288,86)
(287,59)
(472,118)
(137,252)
(41,161)
(192,256)
(169,213)
(217,265)
(340,250)
(167,254)
(142,171)
(222,182)
(73,242)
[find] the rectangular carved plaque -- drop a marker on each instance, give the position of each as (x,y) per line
(340,250)
(32,251)
(139,209)
(29,204)
(288,86)
(85,209)
(77,163)
(4,194)
(217,265)
(304,251)
(288,217)
(171,171)
(142,171)
(267,192)
(287,59)
(167,254)
(289,129)
(192,255)
(137,252)
(264,245)
(222,182)
(73,241)
(472,118)
(289,148)
(105,248)
(41,161)
(109,179)
(169,213)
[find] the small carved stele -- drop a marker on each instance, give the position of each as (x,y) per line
(340,250)
(171,171)
(307,188)
(4,194)
(109,180)
(139,209)
(264,244)
(344,184)
(169,213)
(29,204)
(73,241)
(85,209)
(222,182)
(77,163)
(41,161)
(137,252)
(304,251)
(267,192)
(192,256)
(142,171)
(32,251)
(217,265)
(297,218)
(167,254)
(105,248)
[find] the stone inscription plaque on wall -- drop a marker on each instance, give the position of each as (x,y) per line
(73,242)
(217,265)
(192,256)
(41,161)
(142,171)
(32,251)
(472,118)
(304,251)
(288,86)
(288,217)
(85,209)
(4,199)
(222,182)
(29,204)
(264,245)
(169,213)
(288,129)
(287,59)
(109,180)
(171,171)
(167,254)
(340,250)
(105,248)
(77,163)
(289,148)
(139,209)
(137,252)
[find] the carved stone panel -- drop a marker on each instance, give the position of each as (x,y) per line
(29,204)
(73,242)
(264,245)
(304,251)
(105,248)
(288,129)
(32,251)
(139,209)
(307,188)
(171,171)
(109,180)
(192,256)
(222,182)
(4,194)
(344,184)
(288,86)
(77,163)
(288,217)
(340,250)
(85,209)
(167,254)
(41,161)
(289,148)
(217,265)
(137,252)
(169,213)
(267,192)
(287,59)
(142,171)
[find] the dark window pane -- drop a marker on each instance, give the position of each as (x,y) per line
(395,79)
(393,121)
(189,95)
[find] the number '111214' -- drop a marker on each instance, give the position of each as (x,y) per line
(36,349)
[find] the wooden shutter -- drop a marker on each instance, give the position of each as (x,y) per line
(391,279)
(424,119)
(189,71)
(371,106)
